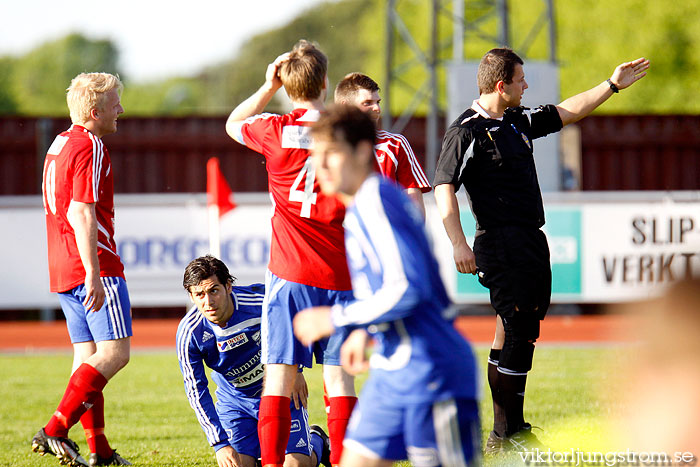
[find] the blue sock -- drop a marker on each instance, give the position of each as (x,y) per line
(316,447)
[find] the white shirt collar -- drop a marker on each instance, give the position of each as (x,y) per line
(476,107)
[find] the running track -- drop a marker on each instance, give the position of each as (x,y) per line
(19,336)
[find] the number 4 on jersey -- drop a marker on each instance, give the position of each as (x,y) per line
(306,197)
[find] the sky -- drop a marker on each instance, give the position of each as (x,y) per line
(155,38)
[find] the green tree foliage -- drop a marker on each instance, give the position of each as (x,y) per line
(337,27)
(174,96)
(593,36)
(8,105)
(40,78)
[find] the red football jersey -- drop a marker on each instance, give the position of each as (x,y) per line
(395,160)
(78,168)
(308,240)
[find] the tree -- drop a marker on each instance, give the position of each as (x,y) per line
(338,29)
(8,105)
(40,78)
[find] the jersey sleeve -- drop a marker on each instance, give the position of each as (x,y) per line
(409,173)
(453,155)
(388,244)
(253,131)
(196,387)
(544,120)
(88,155)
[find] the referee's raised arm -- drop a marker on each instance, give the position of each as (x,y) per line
(625,75)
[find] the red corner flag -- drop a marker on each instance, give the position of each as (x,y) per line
(219,194)
(219,202)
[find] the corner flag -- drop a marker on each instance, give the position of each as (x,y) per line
(219,202)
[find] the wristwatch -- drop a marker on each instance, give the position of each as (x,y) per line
(612,86)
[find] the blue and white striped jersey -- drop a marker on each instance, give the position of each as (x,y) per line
(232,352)
(401,300)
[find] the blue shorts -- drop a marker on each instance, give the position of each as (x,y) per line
(111,322)
(240,420)
(444,433)
(283,300)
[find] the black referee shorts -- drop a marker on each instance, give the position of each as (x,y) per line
(514,265)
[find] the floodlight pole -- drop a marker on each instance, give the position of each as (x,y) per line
(398,34)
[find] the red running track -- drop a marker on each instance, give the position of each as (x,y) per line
(160,333)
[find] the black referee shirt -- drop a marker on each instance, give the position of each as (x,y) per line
(493,159)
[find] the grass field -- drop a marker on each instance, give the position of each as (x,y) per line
(570,395)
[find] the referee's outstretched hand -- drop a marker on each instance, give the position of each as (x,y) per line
(626,74)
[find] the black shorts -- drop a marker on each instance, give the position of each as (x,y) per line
(514,265)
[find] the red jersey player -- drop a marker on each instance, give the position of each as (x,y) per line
(307,254)
(393,153)
(84,267)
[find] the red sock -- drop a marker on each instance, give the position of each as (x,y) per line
(274,422)
(93,422)
(338,416)
(84,386)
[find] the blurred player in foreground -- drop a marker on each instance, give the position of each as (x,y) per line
(663,384)
(307,252)
(395,158)
(489,150)
(420,399)
(222,331)
(84,268)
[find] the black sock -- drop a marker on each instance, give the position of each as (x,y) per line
(513,397)
(499,414)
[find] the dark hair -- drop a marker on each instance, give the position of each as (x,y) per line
(203,268)
(352,83)
(304,74)
(497,65)
(345,123)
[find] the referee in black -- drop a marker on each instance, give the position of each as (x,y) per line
(488,149)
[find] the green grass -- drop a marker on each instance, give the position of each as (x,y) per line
(149,420)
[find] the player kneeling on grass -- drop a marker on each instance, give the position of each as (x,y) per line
(420,399)
(222,331)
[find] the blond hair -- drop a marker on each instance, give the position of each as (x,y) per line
(88,91)
(304,74)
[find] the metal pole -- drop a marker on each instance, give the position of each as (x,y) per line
(389,40)
(432,123)
(458,31)
(503,14)
(552,32)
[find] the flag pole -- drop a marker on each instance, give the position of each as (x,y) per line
(214,231)
(219,202)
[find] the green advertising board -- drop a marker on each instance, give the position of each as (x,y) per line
(563,229)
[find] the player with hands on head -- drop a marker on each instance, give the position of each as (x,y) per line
(420,400)
(489,150)
(395,158)
(222,331)
(307,254)
(84,267)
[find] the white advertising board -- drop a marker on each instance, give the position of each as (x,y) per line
(156,235)
(601,251)
(631,250)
